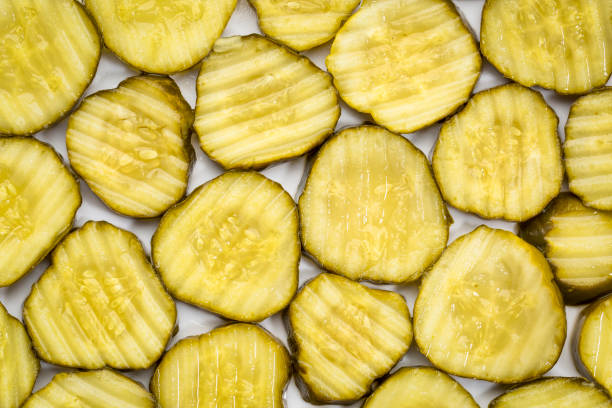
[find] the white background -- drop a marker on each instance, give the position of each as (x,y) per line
(193,321)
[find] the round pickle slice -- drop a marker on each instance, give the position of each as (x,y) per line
(302,24)
(49,53)
(232,247)
(100,303)
(408,63)
(500,157)
(344,336)
(240,365)
(588,149)
(132,145)
(39,198)
(371,208)
(91,389)
(420,387)
(18,364)
(161,36)
(489,309)
(577,241)
(565,45)
(259,102)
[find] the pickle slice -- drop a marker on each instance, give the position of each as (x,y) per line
(500,157)
(18,364)
(161,36)
(239,259)
(39,198)
(302,24)
(239,365)
(49,53)
(259,102)
(577,241)
(555,392)
(132,145)
(588,149)
(565,45)
(408,63)
(344,336)
(489,309)
(371,208)
(100,303)
(91,389)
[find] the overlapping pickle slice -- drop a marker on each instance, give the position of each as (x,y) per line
(345,336)
(18,364)
(258,102)
(500,157)
(489,309)
(239,365)
(160,36)
(408,63)
(565,45)
(100,303)
(577,241)
(132,145)
(231,247)
(420,387)
(554,392)
(371,208)
(588,149)
(302,24)
(49,52)
(91,389)
(38,200)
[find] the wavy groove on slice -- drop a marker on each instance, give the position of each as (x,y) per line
(132,145)
(489,309)
(500,157)
(91,389)
(100,303)
(345,336)
(594,346)
(408,63)
(239,365)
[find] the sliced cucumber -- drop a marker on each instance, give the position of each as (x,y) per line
(39,198)
(239,365)
(239,259)
(407,63)
(500,157)
(259,102)
(132,145)
(49,52)
(371,208)
(489,309)
(344,336)
(100,303)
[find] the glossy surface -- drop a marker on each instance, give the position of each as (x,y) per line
(595,342)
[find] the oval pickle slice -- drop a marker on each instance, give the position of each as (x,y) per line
(489,309)
(132,145)
(240,365)
(344,336)
(258,102)
(302,24)
(420,387)
(239,259)
(160,36)
(91,389)
(49,53)
(371,208)
(500,157)
(39,198)
(18,364)
(408,63)
(565,45)
(100,303)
